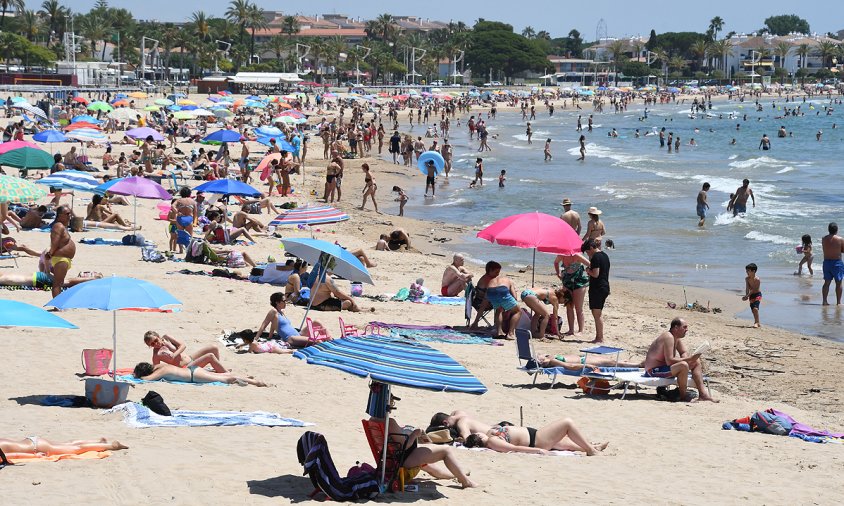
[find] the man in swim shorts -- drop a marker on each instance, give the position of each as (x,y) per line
(833,267)
(455,277)
(668,357)
(738,203)
(62,248)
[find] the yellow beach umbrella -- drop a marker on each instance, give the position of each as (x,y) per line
(138,94)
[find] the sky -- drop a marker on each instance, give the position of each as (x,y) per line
(622,18)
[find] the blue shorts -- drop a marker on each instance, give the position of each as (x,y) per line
(739,208)
(833,269)
(701,211)
(662,371)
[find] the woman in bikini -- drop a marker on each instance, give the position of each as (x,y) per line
(559,435)
(576,281)
(190,374)
(186,215)
(369,188)
(34,445)
(280,325)
(99,211)
(169,350)
(536,299)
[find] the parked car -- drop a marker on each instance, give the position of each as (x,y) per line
(436,83)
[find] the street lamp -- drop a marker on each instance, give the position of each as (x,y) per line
(300,58)
(225,52)
(456,74)
(413,60)
(357,62)
(144,56)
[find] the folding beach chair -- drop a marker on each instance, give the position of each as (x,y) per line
(395,474)
(472,304)
(528,361)
(9,256)
(316,333)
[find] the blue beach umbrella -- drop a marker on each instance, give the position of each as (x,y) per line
(87,118)
(268,131)
(20,314)
(223,136)
(49,136)
(114,294)
(281,143)
(103,188)
(424,158)
(390,361)
(228,187)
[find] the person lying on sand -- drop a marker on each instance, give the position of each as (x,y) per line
(42,280)
(191,374)
(576,362)
(505,437)
(34,445)
(169,350)
(269,346)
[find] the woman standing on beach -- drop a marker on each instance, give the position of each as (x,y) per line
(330,181)
(576,281)
(369,188)
(582,148)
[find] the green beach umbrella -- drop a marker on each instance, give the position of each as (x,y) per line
(183,115)
(152,107)
(100,106)
(15,189)
(27,158)
(163,101)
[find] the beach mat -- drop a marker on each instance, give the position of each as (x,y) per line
(128,378)
(20,458)
(431,333)
(137,415)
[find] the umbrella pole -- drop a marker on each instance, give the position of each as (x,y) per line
(114,342)
(533,270)
(135,215)
(311,299)
(386,437)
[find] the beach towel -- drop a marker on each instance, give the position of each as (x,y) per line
(798,430)
(445,301)
(431,333)
(18,458)
(556,453)
(139,416)
(129,378)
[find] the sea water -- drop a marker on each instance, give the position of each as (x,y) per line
(648,196)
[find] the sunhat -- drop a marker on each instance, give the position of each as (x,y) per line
(594,210)
(566,202)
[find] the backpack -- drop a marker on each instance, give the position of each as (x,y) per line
(196,252)
(762,421)
(133,240)
(155,403)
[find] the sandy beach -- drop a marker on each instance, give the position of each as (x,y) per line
(659,452)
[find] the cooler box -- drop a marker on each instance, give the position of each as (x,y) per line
(106,393)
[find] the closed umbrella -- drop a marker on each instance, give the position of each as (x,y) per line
(329,257)
(20,314)
(540,231)
(390,362)
(114,294)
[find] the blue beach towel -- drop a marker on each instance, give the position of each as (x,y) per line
(139,416)
(99,241)
(128,378)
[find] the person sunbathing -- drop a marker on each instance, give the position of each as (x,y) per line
(505,437)
(190,374)
(34,218)
(426,457)
(244,221)
(576,362)
(170,350)
(268,346)
(280,325)
(100,210)
(34,445)
(43,280)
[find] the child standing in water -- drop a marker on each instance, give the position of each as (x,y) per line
(402,199)
(807,256)
(753,292)
(501,178)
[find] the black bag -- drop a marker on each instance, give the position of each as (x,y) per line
(155,403)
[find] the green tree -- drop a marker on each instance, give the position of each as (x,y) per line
(529,32)
(30,25)
(199,25)
(803,51)
(290,25)
(653,41)
(635,69)
(781,50)
(238,13)
(574,43)
(785,24)
(716,24)
(700,49)
(10,5)
(495,46)
(826,49)
(255,21)
(616,49)
(93,27)
(55,14)
(722,48)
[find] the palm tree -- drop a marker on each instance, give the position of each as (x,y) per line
(277,45)
(529,32)
(826,50)
(781,50)
(722,48)
(700,48)
(55,13)
(290,25)
(94,29)
(10,5)
(238,13)
(803,51)
(715,26)
(543,35)
(200,27)
(677,63)
(616,48)
(255,21)
(169,37)
(30,25)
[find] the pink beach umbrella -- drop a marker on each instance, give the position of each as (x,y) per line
(539,231)
(9,146)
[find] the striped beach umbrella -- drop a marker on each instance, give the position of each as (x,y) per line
(31,109)
(393,361)
(15,189)
(310,215)
(87,135)
(71,180)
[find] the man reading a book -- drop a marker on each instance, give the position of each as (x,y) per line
(668,358)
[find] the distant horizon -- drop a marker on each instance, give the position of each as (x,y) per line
(556,18)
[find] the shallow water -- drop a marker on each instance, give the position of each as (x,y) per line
(648,196)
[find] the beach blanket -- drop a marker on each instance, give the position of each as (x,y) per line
(99,241)
(18,458)
(798,430)
(556,453)
(128,378)
(445,301)
(431,333)
(137,415)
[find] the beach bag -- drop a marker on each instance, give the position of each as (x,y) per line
(196,252)
(133,240)
(155,403)
(360,470)
(594,386)
(312,452)
(95,361)
(768,423)
(150,254)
